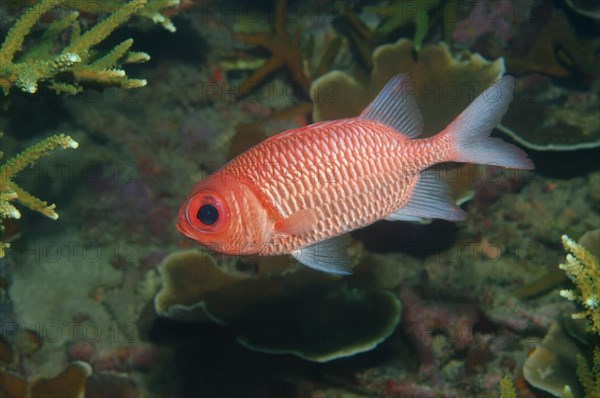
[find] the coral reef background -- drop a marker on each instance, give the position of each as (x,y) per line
(110,300)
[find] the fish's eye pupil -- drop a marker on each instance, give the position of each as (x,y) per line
(208,214)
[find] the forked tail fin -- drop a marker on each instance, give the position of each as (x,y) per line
(470,131)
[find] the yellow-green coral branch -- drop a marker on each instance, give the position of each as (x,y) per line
(6,209)
(590,376)
(584,270)
(103,28)
(15,36)
(75,31)
(29,74)
(109,77)
(27,199)
(9,191)
(3,245)
(60,87)
(43,47)
(152,9)
(40,62)
(507,388)
(136,57)
(112,57)
(32,154)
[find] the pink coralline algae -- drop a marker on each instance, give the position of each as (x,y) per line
(141,357)
(422,319)
(498,18)
(132,206)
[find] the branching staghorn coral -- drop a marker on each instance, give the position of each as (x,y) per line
(590,376)
(9,191)
(77,62)
(583,268)
(152,9)
(507,388)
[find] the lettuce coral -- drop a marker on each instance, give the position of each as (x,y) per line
(279,309)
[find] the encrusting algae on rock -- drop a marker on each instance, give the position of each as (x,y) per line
(70,383)
(9,191)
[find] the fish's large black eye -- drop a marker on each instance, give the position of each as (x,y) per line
(208,214)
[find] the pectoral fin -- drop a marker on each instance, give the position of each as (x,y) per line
(301,222)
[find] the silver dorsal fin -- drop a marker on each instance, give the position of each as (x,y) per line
(396,107)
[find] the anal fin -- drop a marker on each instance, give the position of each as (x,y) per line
(328,256)
(431,198)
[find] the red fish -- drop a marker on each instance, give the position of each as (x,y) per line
(301,190)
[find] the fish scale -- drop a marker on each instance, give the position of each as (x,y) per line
(344,139)
(296,192)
